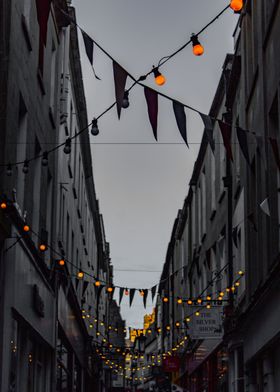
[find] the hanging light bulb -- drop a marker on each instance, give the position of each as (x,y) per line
(67,146)
(165,299)
(159,78)
(97,283)
(110,289)
(94,127)
(236,5)
(142,293)
(26,228)
(126,292)
(179,301)
(42,247)
(125,102)
(61,262)
(9,170)
(198,49)
(3,205)
(45,159)
(25,168)
(80,274)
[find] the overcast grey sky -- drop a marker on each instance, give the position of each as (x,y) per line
(141,184)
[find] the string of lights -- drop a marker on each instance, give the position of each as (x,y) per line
(94,123)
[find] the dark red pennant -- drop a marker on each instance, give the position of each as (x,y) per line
(152,102)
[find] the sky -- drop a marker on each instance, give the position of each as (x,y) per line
(140,183)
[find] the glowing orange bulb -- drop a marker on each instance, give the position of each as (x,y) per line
(236,5)
(165,299)
(197,313)
(177,324)
(198,49)
(237,284)
(188,319)
(179,301)
(189,302)
(97,283)
(159,78)
(3,206)
(61,262)
(126,292)
(142,293)
(208,306)
(80,274)
(26,228)
(199,301)
(110,289)
(42,247)
(208,298)
(168,327)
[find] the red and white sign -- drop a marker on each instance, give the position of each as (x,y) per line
(171,364)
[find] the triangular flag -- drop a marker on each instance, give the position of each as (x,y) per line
(208,258)
(153,290)
(131,296)
(261,148)
(242,139)
(275,150)
(85,285)
(251,218)
(98,292)
(145,297)
(43,11)
(181,120)
(88,41)
(208,123)
(234,236)
(121,294)
(152,103)
(120,76)
(265,207)
(221,246)
(226,135)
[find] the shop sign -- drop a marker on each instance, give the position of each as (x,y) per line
(171,364)
(208,325)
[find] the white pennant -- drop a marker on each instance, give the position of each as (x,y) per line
(265,207)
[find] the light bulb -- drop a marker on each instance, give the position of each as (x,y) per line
(198,49)
(61,262)
(80,274)
(25,168)
(3,205)
(26,228)
(42,247)
(125,102)
(236,5)
(67,146)
(45,159)
(94,127)
(9,170)
(159,78)
(97,283)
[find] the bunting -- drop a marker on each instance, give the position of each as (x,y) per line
(234,236)
(208,123)
(152,103)
(226,135)
(131,296)
(251,218)
(121,294)
(145,297)
(85,286)
(153,290)
(275,149)
(265,206)
(120,76)
(43,11)
(88,41)
(181,120)
(242,139)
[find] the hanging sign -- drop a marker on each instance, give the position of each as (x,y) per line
(171,364)
(208,325)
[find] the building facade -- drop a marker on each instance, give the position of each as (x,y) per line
(55,260)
